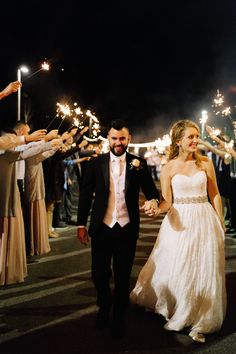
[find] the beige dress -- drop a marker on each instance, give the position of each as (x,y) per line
(36,215)
(13,268)
(13,265)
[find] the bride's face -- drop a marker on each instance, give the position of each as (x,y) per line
(188,142)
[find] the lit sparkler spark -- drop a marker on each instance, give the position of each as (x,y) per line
(226,111)
(218,100)
(218,103)
(63,110)
(45,66)
(93,124)
(204,117)
(216,131)
(78,111)
(76,122)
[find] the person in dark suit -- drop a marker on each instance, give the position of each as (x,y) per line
(112,182)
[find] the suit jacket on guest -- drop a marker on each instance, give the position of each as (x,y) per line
(97,181)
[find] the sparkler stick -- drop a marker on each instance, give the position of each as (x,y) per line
(62,120)
(51,122)
(44,66)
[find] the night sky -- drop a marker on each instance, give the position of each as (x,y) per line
(149,62)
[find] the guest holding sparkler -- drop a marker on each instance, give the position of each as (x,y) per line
(10,140)
(12,235)
(22,128)
(229,150)
(35,208)
(222,161)
(10,88)
(54,178)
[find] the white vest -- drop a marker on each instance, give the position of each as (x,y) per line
(117,209)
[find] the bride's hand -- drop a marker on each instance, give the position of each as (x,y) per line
(150,208)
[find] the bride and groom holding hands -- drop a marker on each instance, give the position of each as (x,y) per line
(183,278)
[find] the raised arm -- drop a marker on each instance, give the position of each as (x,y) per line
(222,153)
(10,88)
(10,141)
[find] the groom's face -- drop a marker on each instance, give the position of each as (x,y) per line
(118,140)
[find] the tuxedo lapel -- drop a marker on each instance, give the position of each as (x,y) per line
(105,169)
(128,171)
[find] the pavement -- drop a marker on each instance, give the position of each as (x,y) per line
(54,310)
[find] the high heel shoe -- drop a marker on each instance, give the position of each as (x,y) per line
(197,337)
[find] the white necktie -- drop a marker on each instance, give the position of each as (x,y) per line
(116,168)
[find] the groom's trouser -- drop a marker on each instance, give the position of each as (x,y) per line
(113,249)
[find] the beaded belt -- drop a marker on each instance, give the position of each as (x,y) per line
(190,200)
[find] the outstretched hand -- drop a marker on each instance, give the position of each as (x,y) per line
(82,235)
(10,88)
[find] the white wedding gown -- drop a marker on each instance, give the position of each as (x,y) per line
(184,277)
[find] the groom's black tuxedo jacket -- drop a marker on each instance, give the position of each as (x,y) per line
(96,184)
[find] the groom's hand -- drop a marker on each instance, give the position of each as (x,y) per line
(82,235)
(150,207)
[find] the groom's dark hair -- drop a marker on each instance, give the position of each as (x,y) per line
(118,124)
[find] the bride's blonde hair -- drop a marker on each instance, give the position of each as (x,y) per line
(177,132)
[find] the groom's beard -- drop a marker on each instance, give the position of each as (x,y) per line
(118,150)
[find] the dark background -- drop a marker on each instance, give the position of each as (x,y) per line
(150,62)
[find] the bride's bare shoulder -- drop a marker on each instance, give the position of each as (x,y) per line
(168,168)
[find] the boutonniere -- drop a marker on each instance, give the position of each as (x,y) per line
(135,164)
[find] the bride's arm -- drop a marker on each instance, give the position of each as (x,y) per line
(166,194)
(166,191)
(213,191)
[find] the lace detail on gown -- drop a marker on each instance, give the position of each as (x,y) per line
(191,200)
(184,278)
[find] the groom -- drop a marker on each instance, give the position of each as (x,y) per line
(114,180)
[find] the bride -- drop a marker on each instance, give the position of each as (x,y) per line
(184,278)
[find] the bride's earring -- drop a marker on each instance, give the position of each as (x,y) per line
(180,147)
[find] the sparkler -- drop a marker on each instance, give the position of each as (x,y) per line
(78,123)
(218,104)
(216,131)
(63,111)
(94,126)
(45,66)
(203,121)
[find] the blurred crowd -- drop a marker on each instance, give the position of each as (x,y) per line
(41,175)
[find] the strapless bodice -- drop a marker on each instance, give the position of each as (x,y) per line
(189,186)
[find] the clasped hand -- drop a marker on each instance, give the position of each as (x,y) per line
(150,208)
